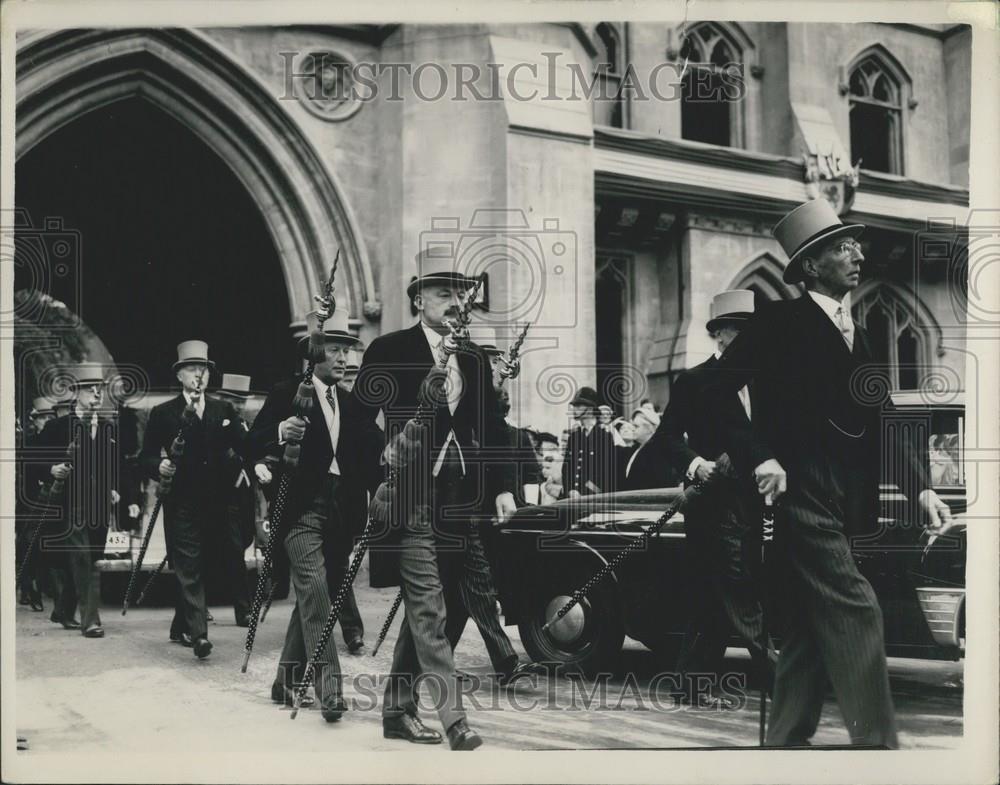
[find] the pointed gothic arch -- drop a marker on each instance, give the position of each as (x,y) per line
(762,275)
(62,76)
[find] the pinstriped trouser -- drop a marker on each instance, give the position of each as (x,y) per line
(423,648)
(304,545)
(469,592)
(835,625)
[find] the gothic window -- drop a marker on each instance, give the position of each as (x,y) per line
(898,337)
(876,110)
(609,68)
(711,94)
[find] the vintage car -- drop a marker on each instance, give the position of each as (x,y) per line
(544,553)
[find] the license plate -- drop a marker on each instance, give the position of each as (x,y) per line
(117,542)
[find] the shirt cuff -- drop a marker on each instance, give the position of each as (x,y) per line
(698,461)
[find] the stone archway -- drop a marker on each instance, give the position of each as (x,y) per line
(64,75)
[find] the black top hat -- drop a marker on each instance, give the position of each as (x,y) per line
(586,396)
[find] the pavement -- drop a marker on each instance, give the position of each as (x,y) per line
(134,691)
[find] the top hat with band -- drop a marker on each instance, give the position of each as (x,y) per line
(807,227)
(42,406)
(436,267)
(334,329)
(736,305)
(487,339)
(88,374)
(235,385)
(192,352)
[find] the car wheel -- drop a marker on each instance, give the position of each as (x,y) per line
(588,639)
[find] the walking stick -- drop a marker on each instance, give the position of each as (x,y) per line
(509,368)
(383,500)
(636,545)
(188,417)
(767,537)
(149,583)
(302,404)
(50,495)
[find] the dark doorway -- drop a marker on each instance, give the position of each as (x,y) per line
(610,313)
(172,245)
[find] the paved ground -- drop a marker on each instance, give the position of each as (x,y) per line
(133,691)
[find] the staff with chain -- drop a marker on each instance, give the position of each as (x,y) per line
(406,445)
(303,404)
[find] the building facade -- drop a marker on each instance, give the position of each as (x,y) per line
(609,179)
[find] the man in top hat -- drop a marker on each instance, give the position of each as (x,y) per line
(427,549)
(589,463)
(195,508)
(816,448)
(89,455)
(41,414)
(326,498)
(721,525)
(228,542)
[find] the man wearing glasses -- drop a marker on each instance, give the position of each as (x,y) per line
(815,446)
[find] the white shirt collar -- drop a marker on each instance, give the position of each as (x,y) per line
(829,305)
(433,338)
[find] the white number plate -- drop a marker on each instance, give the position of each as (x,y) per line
(117,542)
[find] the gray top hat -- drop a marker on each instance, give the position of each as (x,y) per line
(235,385)
(805,228)
(192,352)
(736,305)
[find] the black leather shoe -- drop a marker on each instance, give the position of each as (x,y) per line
(35,600)
(23,598)
(461,737)
(519,670)
(209,616)
(243,620)
(202,648)
(94,632)
(409,728)
(71,624)
(356,645)
(334,711)
(285,696)
(182,638)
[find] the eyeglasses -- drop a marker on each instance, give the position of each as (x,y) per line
(847,247)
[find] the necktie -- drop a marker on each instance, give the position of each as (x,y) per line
(331,399)
(453,388)
(846,326)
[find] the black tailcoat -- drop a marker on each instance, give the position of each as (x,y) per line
(389,380)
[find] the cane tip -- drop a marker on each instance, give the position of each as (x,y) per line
(295,710)
(246,661)
(124,611)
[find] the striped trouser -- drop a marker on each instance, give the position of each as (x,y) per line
(469,592)
(834,626)
(304,545)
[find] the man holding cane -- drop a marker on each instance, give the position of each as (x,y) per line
(814,446)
